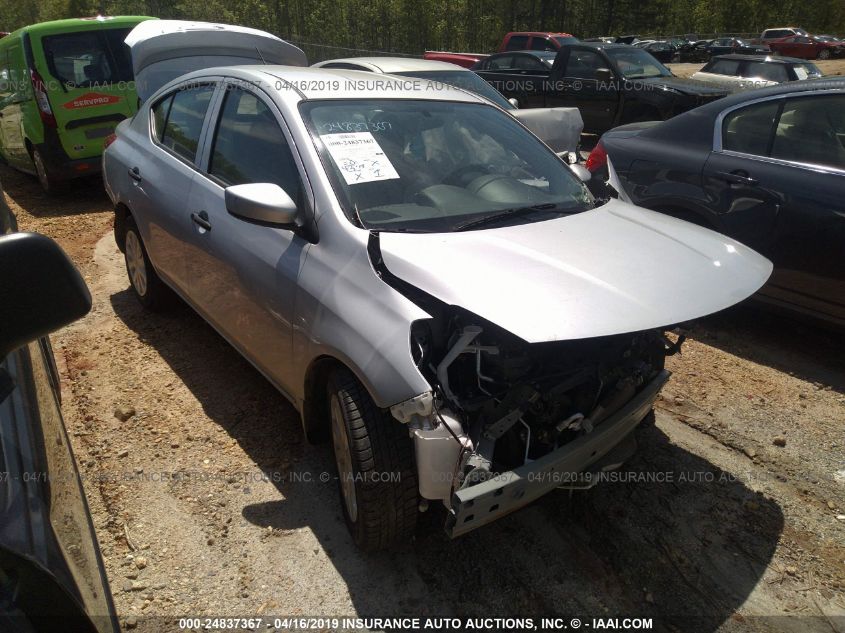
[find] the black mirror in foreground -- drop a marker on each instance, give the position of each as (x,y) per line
(40,290)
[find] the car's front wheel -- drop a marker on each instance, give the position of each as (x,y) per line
(145,282)
(375,466)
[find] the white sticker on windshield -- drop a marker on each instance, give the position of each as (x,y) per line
(801,73)
(359,157)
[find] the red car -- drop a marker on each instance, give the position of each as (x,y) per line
(807,47)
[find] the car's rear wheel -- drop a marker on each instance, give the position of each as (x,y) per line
(824,54)
(145,282)
(375,466)
(46,179)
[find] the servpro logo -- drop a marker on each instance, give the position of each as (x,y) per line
(90,100)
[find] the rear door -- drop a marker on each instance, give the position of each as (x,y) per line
(776,177)
(162,172)
(243,275)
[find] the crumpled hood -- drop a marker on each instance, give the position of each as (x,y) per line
(687,86)
(611,270)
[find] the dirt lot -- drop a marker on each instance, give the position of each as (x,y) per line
(207,500)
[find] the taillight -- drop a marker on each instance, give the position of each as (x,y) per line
(597,158)
(111,138)
(41,99)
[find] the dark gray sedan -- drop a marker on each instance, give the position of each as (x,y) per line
(766,167)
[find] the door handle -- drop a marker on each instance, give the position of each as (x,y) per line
(738,178)
(135,174)
(201,220)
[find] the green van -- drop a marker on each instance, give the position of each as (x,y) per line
(64,86)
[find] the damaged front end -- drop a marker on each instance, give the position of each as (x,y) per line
(505,415)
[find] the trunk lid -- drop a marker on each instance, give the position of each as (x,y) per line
(163,50)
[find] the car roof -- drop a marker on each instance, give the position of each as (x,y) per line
(393,64)
(335,83)
(541,33)
(543,54)
(77,24)
(769,59)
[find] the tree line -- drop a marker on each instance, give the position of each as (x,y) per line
(411,26)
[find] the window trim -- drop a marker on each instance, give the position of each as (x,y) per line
(305,190)
(203,81)
(720,119)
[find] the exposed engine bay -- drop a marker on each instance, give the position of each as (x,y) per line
(498,402)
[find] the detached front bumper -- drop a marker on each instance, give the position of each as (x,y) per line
(485,502)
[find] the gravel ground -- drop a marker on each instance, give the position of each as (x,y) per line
(207,500)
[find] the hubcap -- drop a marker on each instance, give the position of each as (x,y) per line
(135,264)
(343,459)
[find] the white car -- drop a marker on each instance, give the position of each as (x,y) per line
(425,280)
(745,72)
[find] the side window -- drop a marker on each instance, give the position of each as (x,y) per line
(249,145)
(159,116)
(769,72)
(812,130)
(583,64)
(517,43)
(749,130)
(528,62)
(724,67)
(182,126)
(504,62)
(541,44)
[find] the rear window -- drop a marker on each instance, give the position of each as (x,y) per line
(517,43)
(723,67)
(88,58)
(769,72)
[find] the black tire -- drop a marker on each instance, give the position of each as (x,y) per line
(46,179)
(153,294)
(381,457)
(824,54)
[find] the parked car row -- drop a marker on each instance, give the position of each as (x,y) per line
(611,84)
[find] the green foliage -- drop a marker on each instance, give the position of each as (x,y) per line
(411,26)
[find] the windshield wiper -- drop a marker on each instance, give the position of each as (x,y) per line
(500,215)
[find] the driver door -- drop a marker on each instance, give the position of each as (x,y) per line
(243,278)
(576,86)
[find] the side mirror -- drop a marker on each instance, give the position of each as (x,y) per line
(604,74)
(261,202)
(582,173)
(41,290)
(514,102)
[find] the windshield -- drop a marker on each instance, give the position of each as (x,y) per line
(435,166)
(562,40)
(465,79)
(88,58)
(742,42)
(635,63)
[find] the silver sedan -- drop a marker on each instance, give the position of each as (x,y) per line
(427,282)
